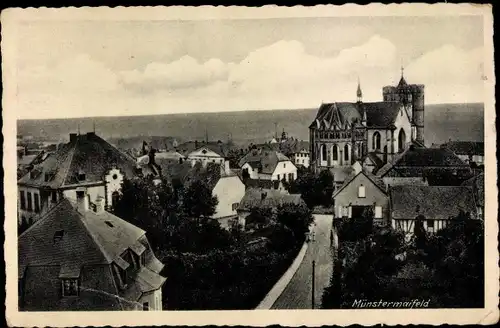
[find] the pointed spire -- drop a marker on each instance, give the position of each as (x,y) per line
(359,93)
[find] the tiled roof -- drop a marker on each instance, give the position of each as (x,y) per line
(68,243)
(89,154)
(465,147)
(414,157)
(381,114)
(343,114)
(221,148)
(172,169)
(268,159)
(477,184)
(434,202)
(273,198)
(211,174)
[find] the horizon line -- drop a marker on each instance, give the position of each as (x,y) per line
(215,112)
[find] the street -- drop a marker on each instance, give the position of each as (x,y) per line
(298,293)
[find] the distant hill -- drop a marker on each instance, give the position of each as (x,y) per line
(442,122)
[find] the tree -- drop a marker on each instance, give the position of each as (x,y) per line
(295,217)
(198,201)
(324,187)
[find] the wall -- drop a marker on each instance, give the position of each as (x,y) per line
(408,225)
(114,180)
(93,191)
(252,172)
(301,159)
(154,300)
(27,215)
(402,122)
(204,158)
(349,195)
(283,169)
(229,190)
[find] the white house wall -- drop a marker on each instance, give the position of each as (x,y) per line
(283,169)
(229,191)
(153,299)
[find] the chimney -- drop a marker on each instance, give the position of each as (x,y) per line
(82,200)
(99,205)
(72,137)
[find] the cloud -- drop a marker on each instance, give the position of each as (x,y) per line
(185,72)
(451,74)
(281,75)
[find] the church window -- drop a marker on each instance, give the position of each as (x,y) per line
(334,153)
(323,152)
(376,141)
(346,152)
(401,140)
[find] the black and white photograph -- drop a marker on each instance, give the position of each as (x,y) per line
(235,160)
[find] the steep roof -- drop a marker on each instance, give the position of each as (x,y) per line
(340,115)
(414,157)
(374,159)
(268,160)
(88,154)
(465,147)
(434,202)
(171,168)
(273,198)
(262,183)
(68,243)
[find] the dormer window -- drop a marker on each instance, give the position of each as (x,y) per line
(70,280)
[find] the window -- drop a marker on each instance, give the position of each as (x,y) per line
(115,176)
(323,153)
(334,153)
(37,203)
(278,177)
(81,176)
(376,141)
(145,306)
(23,200)
(234,206)
(284,165)
(30,206)
(430,225)
(346,152)
(54,196)
(378,212)
(115,197)
(361,191)
(70,287)
(401,140)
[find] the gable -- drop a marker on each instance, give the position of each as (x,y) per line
(203,152)
(350,189)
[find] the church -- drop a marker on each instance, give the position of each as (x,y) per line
(345,132)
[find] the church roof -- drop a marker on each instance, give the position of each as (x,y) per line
(402,82)
(341,114)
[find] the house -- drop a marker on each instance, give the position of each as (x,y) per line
(434,205)
(267,165)
(224,184)
(468,151)
(343,132)
(301,158)
(78,257)
(477,184)
(362,191)
(204,152)
(425,166)
(265,199)
(87,164)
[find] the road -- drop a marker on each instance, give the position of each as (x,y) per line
(298,293)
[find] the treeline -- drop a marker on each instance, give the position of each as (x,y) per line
(208,267)
(446,268)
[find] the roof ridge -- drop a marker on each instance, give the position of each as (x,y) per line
(93,236)
(44,216)
(70,155)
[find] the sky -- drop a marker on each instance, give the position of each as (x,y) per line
(112,68)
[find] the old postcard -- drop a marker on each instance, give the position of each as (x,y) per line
(328,165)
